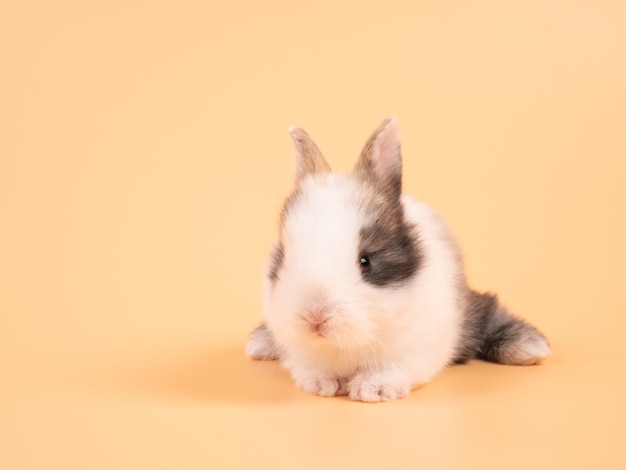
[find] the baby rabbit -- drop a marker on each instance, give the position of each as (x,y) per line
(365,293)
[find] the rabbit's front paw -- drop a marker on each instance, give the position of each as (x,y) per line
(321,385)
(379,386)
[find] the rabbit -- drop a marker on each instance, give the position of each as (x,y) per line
(365,293)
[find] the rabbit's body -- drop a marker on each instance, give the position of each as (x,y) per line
(365,292)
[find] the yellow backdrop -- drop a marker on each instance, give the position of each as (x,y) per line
(143,158)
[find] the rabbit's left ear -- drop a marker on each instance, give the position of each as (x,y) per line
(380,162)
(309,159)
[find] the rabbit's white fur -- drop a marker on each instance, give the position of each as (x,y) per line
(403,335)
(335,332)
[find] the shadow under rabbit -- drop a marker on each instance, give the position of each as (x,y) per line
(204,374)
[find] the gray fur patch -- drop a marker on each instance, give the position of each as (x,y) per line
(493,334)
(391,245)
(478,308)
(261,345)
(278,253)
(276,263)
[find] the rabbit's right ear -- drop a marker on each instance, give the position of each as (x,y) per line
(380,162)
(309,159)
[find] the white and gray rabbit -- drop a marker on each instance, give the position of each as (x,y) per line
(365,293)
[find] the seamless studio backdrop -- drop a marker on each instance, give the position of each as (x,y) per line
(144,156)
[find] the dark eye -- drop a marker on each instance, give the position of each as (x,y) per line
(364,262)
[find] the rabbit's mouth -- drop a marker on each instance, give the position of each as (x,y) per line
(316,321)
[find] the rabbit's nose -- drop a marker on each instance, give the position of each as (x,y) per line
(317,319)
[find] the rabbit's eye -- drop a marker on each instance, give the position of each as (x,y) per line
(364,262)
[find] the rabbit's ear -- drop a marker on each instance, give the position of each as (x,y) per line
(380,162)
(309,159)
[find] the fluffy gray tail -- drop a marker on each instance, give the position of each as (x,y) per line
(493,334)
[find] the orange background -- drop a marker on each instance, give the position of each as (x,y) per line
(143,158)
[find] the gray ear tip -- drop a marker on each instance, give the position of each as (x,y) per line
(387,126)
(298,135)
(390,122)
(296,131)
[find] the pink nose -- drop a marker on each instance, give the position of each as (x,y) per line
(315,316)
